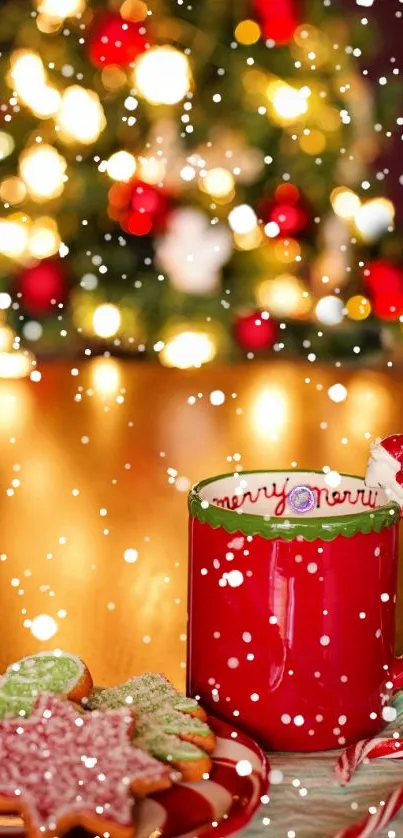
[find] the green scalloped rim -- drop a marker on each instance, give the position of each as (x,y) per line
(325,529)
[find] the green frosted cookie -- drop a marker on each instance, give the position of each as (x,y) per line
(164,724)
(52,672)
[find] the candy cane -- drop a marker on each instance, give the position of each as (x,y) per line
(365,750)
(373,823)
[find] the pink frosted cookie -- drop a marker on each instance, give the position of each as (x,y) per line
(60,769)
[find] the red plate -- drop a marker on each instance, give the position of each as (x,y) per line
(216,807)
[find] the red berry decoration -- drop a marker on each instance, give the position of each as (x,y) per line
(115,41)
(254,332)
(278,19)
(42,287)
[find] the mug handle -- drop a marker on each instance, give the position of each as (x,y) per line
(397,673)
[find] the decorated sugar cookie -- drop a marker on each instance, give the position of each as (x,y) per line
(88,776)
(168,724)
(52,672)
(385,467)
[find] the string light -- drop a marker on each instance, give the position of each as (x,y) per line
(162,75)
(106,320)
(80,117)
(43,170)
(188,349)
(121,166)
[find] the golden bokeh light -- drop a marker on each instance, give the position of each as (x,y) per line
(358,307)
(60,8)
(106,320)
(287,250)
(17,364)
(218,183)
(7,145)
(288,103)
(313,142)
(134,10)
(113,77)
(42,169)
(162,75)
(151,169)
(345,202)
(247,32)
(28,78)
(12,190)
(121,166)
(248,241)
(187,349)
(44,238)
(13,236)
(105,376)
(284,296)
(81,117)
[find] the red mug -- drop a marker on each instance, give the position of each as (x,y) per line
(292,613)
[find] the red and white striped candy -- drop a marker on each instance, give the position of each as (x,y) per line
(371,824)
(363,751)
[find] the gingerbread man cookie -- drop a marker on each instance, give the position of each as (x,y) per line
(169,725)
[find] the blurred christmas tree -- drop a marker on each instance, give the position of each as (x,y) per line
(193,181)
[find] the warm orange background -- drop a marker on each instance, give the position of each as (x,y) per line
(139,424)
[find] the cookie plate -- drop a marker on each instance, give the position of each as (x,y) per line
(216,807)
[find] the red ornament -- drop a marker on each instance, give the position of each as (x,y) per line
(140,208)
(42,287)
(115,41)
(381,277)
(278,19)
(287,210)
(254,332)
(388,306)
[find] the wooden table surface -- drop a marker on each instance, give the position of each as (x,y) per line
(131,437)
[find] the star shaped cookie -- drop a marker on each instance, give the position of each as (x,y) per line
(61,768)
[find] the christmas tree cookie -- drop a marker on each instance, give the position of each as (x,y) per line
(47,672)
(61,769)
(169,725)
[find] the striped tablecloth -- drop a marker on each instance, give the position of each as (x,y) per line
(306,800)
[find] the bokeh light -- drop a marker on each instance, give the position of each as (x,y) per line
(187,349)
(106,320)
(162,75)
